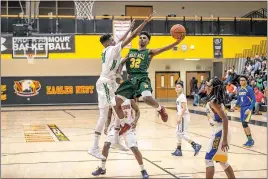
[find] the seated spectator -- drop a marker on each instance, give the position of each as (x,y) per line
(259,100)
(252,84)
(259,83)
(263,58)
(231,90)
(248,69)
(201,93)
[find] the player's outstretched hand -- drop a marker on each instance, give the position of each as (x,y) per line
(150,17)
(132,24)
(225,146)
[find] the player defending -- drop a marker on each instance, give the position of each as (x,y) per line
(246,99)
(218,145)
(106,84)
(129,137)
(139,84)
(183,121)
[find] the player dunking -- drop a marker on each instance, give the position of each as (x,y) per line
(129,137)
(139,84)
(183,121)
(106,84)
(218,145)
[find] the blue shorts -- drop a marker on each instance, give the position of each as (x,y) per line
(243,116)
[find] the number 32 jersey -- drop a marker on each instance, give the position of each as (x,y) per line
(138,61)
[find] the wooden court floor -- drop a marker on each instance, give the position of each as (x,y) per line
(44,142)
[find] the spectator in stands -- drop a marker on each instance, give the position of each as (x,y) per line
(257,66)
(263,58)
(201,93)
(228,77)
(231,90)
(259,83)
(259,100)
(252,84)
(248,69)
(193,86)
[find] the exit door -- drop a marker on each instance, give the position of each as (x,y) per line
(165,85)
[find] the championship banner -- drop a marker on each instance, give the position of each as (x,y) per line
(120,27)
(56,44)
(217,47)
(48,90)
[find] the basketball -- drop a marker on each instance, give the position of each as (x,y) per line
(177,30)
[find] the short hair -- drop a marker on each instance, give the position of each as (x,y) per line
(180,83)
(105,37)
(243,76)
(146,34)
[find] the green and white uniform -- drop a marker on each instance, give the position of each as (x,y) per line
(137,65)
(106,84)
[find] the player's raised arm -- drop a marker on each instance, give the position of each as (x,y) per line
(136,31)
(127,32)
(154,52)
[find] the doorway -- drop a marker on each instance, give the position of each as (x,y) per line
(138,10)
(165,85)
(199,75)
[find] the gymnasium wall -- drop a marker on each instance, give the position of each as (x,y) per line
(81,67)
(206,9)
(88,47)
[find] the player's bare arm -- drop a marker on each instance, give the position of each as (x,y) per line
(183,105)
(218,109)
(136,31)
(154,52)
(137,113)
(127,32)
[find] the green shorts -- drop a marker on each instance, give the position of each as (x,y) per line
(133,87)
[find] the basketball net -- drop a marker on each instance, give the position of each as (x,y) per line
(30,58)
(84,9)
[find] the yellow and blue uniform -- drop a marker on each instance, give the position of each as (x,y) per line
(214,151)
(246,99)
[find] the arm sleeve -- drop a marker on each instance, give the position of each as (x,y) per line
(252,97)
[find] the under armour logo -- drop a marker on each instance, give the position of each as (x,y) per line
(3,40)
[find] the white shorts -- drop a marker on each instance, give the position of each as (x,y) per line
(183,126)
(129,137)
(214,151)
(106,92)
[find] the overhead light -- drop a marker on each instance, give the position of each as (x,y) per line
(192,59)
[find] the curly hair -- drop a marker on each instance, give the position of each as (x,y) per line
(218,92)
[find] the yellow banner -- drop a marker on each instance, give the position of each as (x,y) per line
(88,47)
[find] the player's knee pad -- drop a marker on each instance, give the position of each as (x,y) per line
(224,165)
(209,163)
(244,124)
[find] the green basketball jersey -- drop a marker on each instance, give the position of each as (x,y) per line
(138,62)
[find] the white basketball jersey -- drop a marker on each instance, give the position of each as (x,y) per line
(213,118)
(181,99)
(111,57)
(128,111)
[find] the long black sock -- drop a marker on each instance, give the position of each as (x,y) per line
(193,144)
(179,147)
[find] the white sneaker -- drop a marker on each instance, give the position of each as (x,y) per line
(95,152)
(119,147)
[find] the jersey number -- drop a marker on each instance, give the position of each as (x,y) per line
(135,63)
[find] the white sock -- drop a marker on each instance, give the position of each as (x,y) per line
(96,141)
(142,167)
(159,108)
(103,163)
